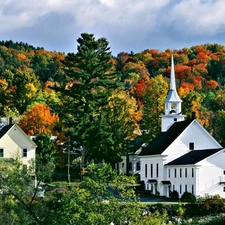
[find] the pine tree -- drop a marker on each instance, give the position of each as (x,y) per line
(89,80)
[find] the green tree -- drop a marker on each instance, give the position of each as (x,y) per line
(217,122)
(45,147)
(103,197)
(120,121)
(19,198)
(89,80)
(27,86)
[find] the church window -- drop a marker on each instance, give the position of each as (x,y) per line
(157,170)
(180,188)
(192,171)
(186,187)
(169,173)
(175,172)
(146,167)
(192,189)
(151,170)
(180,172)
(173,106)
(185,172)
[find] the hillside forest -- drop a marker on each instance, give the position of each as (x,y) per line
(95,102)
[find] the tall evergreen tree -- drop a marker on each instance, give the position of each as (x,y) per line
(89,80)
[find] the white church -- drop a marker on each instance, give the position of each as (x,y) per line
(184,157)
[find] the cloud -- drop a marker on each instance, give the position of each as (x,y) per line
(129,25)
(198,17)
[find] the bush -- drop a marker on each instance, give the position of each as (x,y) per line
(212,204)
(174,194)
(205,206)
(141,186)
(188,197)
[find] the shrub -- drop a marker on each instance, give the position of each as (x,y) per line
(188,197)
(155,218)
(174,194)
(212,204)
(204,206)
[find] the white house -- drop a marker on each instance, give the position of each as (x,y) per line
(184,156)
(15,143)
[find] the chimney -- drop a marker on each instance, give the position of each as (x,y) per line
(10,120)
(193,115)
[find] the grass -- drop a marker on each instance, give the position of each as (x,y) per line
(65,184)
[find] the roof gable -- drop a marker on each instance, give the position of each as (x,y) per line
(7,128)
(163,140)
(194,156)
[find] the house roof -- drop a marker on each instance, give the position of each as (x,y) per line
(193,157)
(5,129)
(164,139)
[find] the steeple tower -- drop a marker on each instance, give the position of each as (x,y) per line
(172,103)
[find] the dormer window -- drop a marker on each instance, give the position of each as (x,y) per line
(191,145)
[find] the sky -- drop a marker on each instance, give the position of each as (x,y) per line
(128,25)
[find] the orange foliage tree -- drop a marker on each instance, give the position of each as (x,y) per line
(185,89)
(182,72)
(211,84)
(38,120)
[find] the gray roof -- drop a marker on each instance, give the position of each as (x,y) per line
(193,157)
(5,129)
(162,141)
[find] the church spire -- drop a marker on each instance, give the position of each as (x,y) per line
(172,76)
(172,97)
(172,103)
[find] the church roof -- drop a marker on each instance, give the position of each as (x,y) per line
(164,139)
(193,157)
(173,96)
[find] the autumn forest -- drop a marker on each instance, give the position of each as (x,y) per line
(100,101)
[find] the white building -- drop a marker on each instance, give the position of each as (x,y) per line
(184,156)
(14,143)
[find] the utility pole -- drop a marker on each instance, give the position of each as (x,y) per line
(69,161)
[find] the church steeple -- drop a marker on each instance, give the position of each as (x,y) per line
(172,103)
